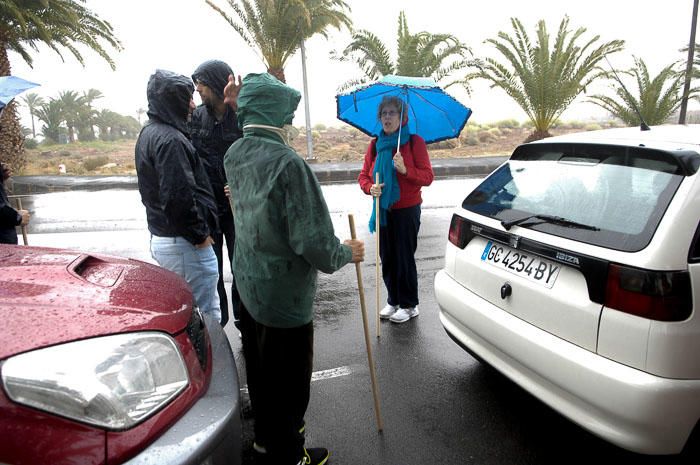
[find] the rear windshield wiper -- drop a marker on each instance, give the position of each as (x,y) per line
(537,219)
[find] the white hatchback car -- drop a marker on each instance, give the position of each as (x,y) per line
(574,269)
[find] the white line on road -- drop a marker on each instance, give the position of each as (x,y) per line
(320,375)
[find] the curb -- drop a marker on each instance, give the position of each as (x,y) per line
(326,173)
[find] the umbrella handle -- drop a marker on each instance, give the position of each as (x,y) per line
(398,141)
(377,270)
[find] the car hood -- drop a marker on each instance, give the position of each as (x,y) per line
(51,296)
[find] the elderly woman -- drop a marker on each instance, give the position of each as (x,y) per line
(402,174)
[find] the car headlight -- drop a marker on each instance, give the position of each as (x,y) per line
(112,382)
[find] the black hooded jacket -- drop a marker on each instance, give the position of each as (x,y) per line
(9,218)
(172,181)
(212,138)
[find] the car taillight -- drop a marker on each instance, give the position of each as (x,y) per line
(460,235)
(657,295)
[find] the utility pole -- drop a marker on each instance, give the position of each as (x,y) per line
(309,140)
(689,64)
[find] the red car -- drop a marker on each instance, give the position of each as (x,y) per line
(105,360)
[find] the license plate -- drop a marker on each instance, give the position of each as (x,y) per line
(530,267)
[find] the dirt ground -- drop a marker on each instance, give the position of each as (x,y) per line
(330,145)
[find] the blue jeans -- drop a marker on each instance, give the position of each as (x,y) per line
(198,266)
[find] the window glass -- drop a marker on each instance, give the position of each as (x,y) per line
(623,195)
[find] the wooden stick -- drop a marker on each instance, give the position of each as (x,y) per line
(24,226)
(377,271)
(370,360)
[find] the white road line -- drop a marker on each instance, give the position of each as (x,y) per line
(320,375)
(328,374)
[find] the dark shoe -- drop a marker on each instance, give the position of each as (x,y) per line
(315,456)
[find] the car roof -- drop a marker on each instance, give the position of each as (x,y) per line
(666,137)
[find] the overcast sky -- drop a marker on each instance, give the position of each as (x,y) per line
(180,34)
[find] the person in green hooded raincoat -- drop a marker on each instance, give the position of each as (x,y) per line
(284,236)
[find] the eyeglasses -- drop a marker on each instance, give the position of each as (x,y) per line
(389,114)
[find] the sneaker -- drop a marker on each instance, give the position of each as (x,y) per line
(315,456)
(387,311)
(402,315)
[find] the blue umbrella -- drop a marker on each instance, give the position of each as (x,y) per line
(433,114)
(11,86)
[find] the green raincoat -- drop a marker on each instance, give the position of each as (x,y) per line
(284,232)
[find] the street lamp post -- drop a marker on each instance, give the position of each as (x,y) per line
(309,140)
(689,64)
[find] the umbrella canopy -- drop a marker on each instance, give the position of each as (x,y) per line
(433,114)
(11,86)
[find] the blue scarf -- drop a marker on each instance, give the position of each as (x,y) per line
(384,165)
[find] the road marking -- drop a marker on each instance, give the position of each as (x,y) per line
(328,374)
(320,375)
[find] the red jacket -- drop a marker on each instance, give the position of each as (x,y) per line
(419,172)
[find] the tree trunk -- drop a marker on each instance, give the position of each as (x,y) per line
(11,138)
(537,135)
(278,73)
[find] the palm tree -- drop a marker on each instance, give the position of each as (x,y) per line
(33,101)
(542,79)
(87,114)
(276,28)
(420,55)
(59,24)
(658,97)
(106,120)
(51,114)
(71,104)
(696,60)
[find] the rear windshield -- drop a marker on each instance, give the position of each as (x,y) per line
(618,193)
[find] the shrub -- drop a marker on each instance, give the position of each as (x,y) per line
(496,132)
(472,140)
(592,127)
(92,163)
(30,143)
(445,145)
(319,127)
(576,124)
(486,136)
(508,123)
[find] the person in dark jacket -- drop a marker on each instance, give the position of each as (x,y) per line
(9,217)
(214,127)
(180,205)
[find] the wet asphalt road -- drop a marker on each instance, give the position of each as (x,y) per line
(438,404)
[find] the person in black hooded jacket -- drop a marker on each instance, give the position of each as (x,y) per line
(213,128)
(9,217)
(175,189)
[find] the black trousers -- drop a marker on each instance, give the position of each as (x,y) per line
(227,232)
(278,364)
(397,248)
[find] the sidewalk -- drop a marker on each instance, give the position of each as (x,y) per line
(325,172)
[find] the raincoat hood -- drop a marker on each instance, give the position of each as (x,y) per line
(213,74)
(267,101)
(169,96)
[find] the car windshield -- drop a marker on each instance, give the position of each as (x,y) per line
(619,193)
